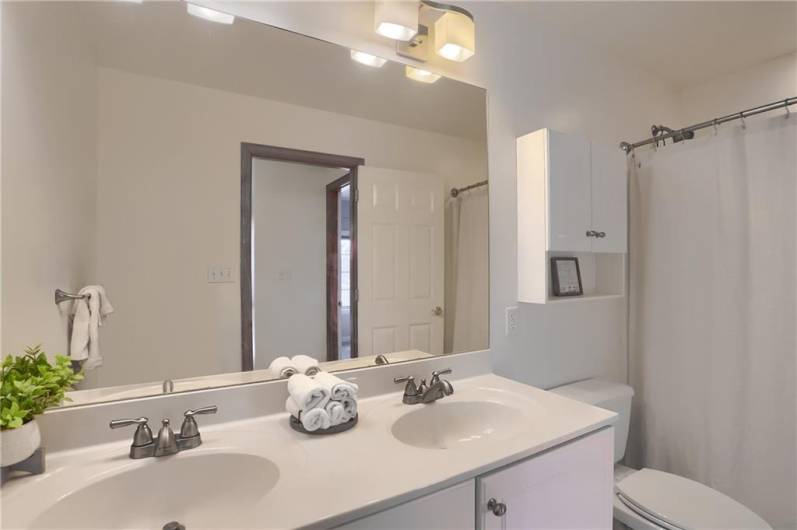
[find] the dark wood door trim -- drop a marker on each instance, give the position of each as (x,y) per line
(333,265)
(249,152)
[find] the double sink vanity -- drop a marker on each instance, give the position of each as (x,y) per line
(495,452)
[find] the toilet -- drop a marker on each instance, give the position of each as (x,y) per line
(648,499)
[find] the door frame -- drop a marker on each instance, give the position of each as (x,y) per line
(333,270)
(249,152)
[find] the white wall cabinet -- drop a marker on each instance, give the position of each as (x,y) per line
(572,197)
(569,486)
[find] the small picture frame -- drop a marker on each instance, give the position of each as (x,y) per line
(566,277)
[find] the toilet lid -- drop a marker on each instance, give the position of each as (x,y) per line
(683,503)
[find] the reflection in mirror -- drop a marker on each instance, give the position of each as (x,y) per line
(240,192)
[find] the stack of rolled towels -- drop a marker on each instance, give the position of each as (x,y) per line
(298,364)
(321,401)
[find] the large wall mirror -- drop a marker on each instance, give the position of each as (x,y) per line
(241,192)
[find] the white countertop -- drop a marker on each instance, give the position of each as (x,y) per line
(328,480)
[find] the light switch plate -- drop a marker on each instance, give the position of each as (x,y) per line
(220,274)
(512,323)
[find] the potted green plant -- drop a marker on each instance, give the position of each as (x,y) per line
(30,384)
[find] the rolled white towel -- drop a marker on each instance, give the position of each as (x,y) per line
(305,364)
(337,387)
(312,419)
(336,412)
(349,409)
(282,367)
(307,393)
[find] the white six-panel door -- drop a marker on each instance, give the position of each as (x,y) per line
(400,261)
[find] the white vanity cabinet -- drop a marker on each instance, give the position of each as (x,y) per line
(569,486)
(571,199)
(448,509)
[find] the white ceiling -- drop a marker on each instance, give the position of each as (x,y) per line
(160,39)
(683,43)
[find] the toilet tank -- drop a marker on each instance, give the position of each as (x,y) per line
(606,395)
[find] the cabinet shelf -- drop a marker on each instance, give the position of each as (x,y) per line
(583,298)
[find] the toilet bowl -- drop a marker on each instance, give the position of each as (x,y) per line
(648,499)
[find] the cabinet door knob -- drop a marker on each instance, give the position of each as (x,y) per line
(498,508)
(592,233)
(601,234)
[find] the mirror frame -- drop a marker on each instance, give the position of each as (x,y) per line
(249,152)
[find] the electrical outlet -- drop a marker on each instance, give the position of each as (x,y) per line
(512,323)
(219,274)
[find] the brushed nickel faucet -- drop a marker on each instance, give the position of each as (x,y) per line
(167,442)
(437,388)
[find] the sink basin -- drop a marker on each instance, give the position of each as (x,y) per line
(459,424)
(185,488)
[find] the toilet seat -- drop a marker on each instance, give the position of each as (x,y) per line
(677,503)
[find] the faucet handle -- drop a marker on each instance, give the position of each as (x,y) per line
(189,428)
(143,434)
(410,389)
(437,373)
(212,409)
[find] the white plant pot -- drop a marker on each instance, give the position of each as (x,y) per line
(18,444)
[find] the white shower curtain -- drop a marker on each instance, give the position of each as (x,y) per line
(467,292)
(713,341)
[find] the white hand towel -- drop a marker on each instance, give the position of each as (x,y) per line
(312,419)
(337,387)
(305,364)
(307,393)
(90,312)
(349,409)
(282,367)
(336,411)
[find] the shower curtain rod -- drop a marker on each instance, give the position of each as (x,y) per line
(775,105)
(457,191)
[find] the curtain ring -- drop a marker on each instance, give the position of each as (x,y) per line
(786,106)
(716,129)
(741,116)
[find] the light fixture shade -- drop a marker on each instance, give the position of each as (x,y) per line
(396,19)
(367,59)
(209,14)
(417,74)
(455,36)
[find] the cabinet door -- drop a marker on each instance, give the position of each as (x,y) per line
(449,509)
(568,185)
(609,193)
(569,487)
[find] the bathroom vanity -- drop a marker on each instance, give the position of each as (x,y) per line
(494,453)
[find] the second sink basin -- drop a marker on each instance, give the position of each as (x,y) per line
(460,424)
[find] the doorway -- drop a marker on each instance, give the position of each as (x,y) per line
(339,271)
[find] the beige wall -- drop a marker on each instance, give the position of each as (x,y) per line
(763,83)
(168,205)
(289,218)
(48,169)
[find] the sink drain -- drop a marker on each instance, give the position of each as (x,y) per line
(173,525)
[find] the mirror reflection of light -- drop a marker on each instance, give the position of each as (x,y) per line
(367,59)
(422,76)
(209,14)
